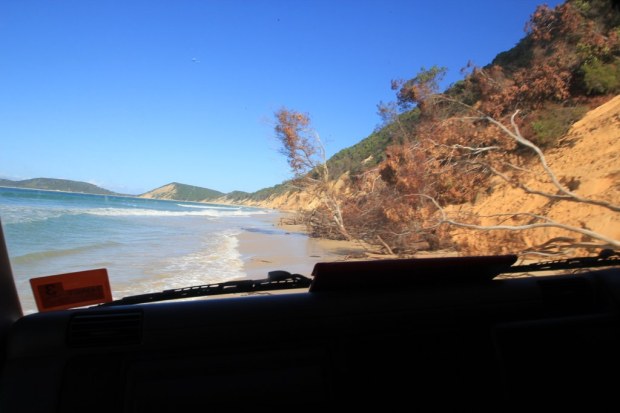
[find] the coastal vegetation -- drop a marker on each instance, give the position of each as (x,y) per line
(414,182)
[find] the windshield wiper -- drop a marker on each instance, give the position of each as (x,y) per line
(277,280)
(606,258)
(374,275)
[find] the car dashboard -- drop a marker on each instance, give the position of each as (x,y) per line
(499,345)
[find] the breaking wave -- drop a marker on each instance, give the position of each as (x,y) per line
(224,208)
(217,260)
(160,213)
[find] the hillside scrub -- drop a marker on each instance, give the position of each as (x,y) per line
(494,126)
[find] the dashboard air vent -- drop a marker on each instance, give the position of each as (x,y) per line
(105,329)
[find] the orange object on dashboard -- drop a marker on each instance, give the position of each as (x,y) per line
(75,289)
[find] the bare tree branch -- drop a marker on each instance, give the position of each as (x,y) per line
(387,247)
(546,223)
(516,135)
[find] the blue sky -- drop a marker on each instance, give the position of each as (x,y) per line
(131,95)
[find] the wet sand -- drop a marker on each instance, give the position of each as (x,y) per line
(274,246)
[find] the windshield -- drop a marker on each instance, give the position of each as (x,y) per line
(189,143)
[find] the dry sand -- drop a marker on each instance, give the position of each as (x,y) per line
(590,155)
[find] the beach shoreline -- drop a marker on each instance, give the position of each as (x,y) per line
(276,245)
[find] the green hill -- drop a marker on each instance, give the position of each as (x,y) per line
(52,184)
(261,194)
(370,151)
(183,192)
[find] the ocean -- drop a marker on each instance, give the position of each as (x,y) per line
(146,245)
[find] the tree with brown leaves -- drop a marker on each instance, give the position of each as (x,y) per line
(457,151)
(305,153)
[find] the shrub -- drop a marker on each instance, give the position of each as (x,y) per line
(600,78)
(552,122)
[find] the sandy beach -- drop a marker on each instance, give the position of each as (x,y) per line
(276,246)
(273,244)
